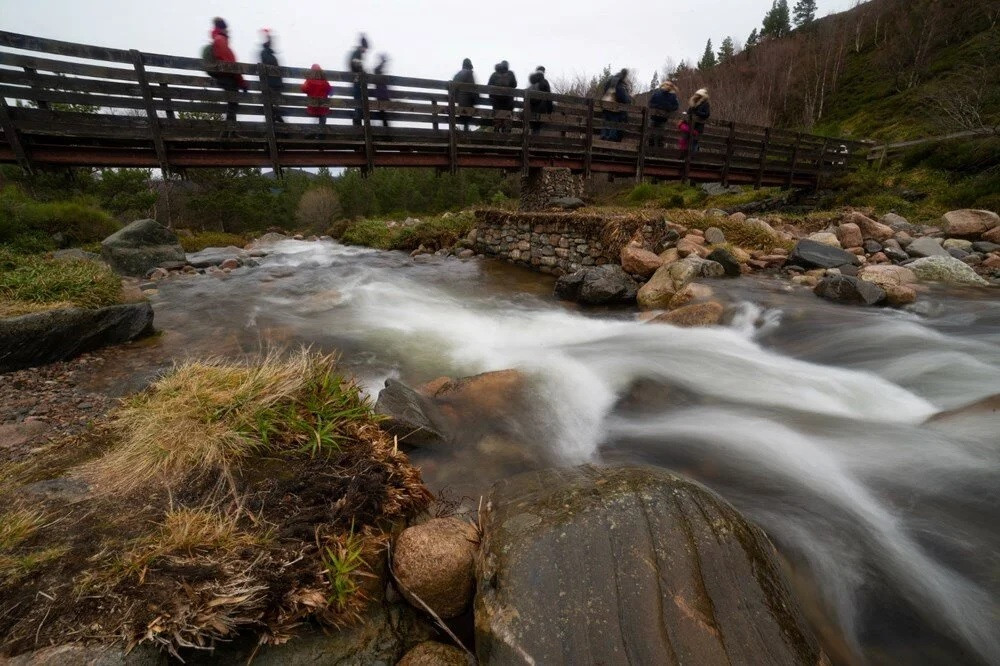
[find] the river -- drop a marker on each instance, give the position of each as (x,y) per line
(806,415)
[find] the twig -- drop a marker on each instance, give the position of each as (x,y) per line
(38,631)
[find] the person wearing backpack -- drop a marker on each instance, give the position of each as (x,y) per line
(662,104)
(539,83)
(273,83)
(317,89)
(615,91)
(219,51)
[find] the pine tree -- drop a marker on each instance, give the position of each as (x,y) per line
(682,68)
(804,12)
(752,39)
(708,59)
(726,51)
(777,21)
(655,82)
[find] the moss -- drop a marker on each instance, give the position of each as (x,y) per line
(77,221)
(433,233)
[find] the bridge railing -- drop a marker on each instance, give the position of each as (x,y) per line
(63,103)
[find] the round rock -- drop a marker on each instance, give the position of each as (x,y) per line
(435,561)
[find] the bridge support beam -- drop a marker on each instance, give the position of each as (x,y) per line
(540,185)
(13,138)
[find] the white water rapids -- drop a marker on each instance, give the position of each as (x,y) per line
(808,417)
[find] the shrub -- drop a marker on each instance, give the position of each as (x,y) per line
(203,239)
(318,208)
(78,222)
(30,283)
(434,233)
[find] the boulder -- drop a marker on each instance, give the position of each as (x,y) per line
(412,417)
(992,236)
(689,294)
(706,267)
(568,286)
(696,314)
(688,246)
(895,254)
(567,203)
(898,295)
(140,247)
(666,281)
(957,244)
(871,246)
(847,289)
(869,227)
(969,223)
(849,235)
(884,275)
(629,565)
(714,236)
(600,285)
(639,261)
(826,238)
(926,247)
(432,653)
(730,264)
(985,247)
(215,256)
(59,335)
(945,269)
(897,223)
(810,254)
(669,256)
(434,563)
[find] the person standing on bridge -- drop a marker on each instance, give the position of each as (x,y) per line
(317,89)
(538,82)
(222,53)
(698,113)
(466,99)
(273,83)
(502,77)
(356,63)
(662,104)
(381,88)
(615,91)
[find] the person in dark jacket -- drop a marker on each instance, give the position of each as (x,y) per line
(381,88)
(273,83)
(662,104)
(538,82)
(466,99)
(502,77)
(356,64)
(698,113)
(615,90)
(223,53)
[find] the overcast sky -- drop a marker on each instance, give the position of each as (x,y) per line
(425,38)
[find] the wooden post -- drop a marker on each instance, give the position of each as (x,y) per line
(366,120)
(819,167)
(154,120)
(589,142)
(763,154)
(13,138)
(730,146)
(525,132)
(640,162)
(33,72)
(272,139)
(686,169)
(434,114)
(165,95)
(795,160)
(452,139)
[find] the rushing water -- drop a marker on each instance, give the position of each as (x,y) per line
(807,416)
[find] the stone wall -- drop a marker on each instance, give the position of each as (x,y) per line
(542,185)
(558,243)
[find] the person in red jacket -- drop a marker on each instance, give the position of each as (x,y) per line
(222,53)
(317,89)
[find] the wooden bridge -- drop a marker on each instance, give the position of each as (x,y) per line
(66,104)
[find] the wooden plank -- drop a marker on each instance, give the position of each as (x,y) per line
(729,153)
(34,73)
(165,96)
(761,159)
(452,138)
(10,133)
(65,67)
(154,121)
(686,169)
(525,132)
(640,163)
(366,120)
(57,47)
(795,159)
(272,140)
(588,149)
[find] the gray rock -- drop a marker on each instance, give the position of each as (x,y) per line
(717,189)
(567,203)
(141,246)
(957,253)
(926,247)
(629,566)
(872,246)
(957,243)
(714,236)
(985,247)
(810,254)
(898,223)
(412,418)
(568,286)
(945,269)
(58,335)
(708,268)
(849,289)
(895,253)
(723,257)
(601,285)
(214,256)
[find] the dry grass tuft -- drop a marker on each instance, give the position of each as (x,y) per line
(17,525)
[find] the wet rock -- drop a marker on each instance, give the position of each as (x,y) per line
(714,236)
(157,274)
(665,283)
(926,247)
(606,285)
(466,254)
(568,286)
(945,269)
(629,565)
(898,295)
(262,244)
(849,235)
(825,238)
(810,254)
(869,227)
(434,563)
(485,394)
(412,418)
(432,653)
(871,246)
(847,289)
(696,314)
(895,254)
(140,247)
(58,335)
(884,275)
(707,268)
(730,264)
(639,261)
(989,405)
(969,223)
(691,293)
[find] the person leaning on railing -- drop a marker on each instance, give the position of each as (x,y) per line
(698,113)
(662,104)
(273,82)
(502,77)
(539,83)
(356,63)
(221,52)
(615,90)
(466,99)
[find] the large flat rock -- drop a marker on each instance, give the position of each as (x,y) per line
(629,565)
(58,335)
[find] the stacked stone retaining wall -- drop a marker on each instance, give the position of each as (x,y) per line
(540,186)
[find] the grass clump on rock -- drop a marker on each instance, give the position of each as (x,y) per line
(29,283)
(204,239)
(229,497)
(437,232)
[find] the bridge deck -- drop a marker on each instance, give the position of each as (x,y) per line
(73,104)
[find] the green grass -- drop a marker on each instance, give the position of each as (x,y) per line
(433,233)
(343,561)
(33,282)
(665,195)
(205,239)
(28,225)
